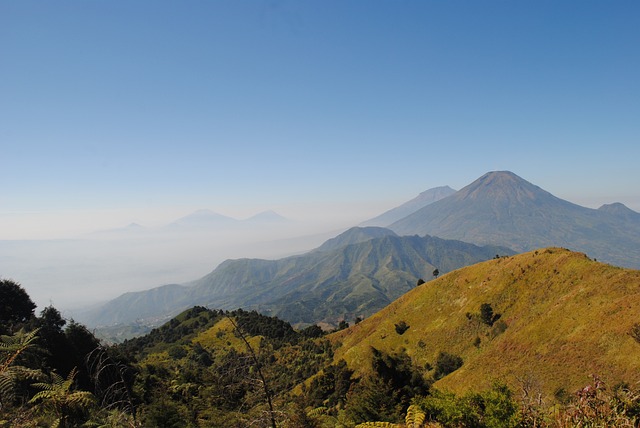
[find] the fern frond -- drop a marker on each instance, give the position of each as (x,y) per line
(80,399)
(318,411)
(41,396)
(415,417)
(10,378)
(12,346)
(378,425)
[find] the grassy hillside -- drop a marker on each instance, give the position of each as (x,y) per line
(563,317)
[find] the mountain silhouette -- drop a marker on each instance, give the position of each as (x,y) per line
(501,208)
(422,200)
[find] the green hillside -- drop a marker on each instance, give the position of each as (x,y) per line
(476,347)
(355,274)
(563,317)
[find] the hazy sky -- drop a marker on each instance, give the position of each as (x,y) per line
(121,111)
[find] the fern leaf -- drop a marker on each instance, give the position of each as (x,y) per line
(415,417)
(41,396)
(378,425)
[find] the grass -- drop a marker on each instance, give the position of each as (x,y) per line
(566,316)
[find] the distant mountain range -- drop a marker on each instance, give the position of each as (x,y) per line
(207,218)
(355,274)
(501,208)
(363,269)
(199,221)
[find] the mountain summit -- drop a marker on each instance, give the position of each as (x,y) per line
(502,186)
(500,208)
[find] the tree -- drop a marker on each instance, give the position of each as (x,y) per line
(312,331)
(446,363)
(79,342)
(51,320)
(486,314)
(53,340)
(401,327)
(15,304)
(258,366)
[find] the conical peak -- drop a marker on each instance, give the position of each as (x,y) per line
(501,185)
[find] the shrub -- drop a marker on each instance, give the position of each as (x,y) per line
(498,329)
(446,363)
(635,332)
(401,327)
(486,314)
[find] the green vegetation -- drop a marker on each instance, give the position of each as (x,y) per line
(445,364)
(15,305)
(459,364)
(401,327)
(355,274)
(486,314)
(555,328)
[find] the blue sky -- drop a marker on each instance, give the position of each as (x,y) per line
(121,111)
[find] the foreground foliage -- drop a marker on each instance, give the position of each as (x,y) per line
(209,368)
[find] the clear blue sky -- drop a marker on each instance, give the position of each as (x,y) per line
(138,107)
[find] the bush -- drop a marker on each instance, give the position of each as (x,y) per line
(177,352)
(498,329)
(495,408)
(401,327)
(445,364)
(486,314)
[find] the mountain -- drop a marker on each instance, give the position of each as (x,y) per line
(355,235)
(132,229)
(267,217)
(559,317)
(153,303)
(621,211)
(203,218)
(501,208)
(321,286)
(422,200)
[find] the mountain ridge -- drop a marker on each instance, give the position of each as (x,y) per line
(500,208)
(423,199)
(319,286)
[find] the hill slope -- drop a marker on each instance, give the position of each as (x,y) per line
(422,200)
(354,280)
(501,208)
(355,235)
(563,318)
(321,286)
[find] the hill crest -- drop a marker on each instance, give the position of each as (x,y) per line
(558,323)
